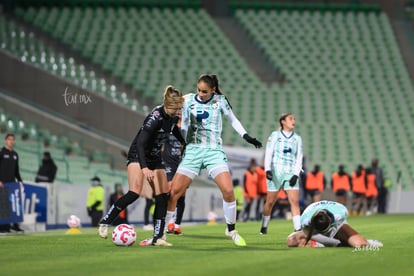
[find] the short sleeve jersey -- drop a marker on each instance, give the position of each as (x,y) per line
(339,212)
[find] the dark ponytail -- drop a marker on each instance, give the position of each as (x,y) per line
(320,223)
(309,235)
(212,82)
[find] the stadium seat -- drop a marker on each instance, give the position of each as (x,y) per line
(74,165)
(353,41)
(343,68)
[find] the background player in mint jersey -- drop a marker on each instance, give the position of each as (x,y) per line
(145,162)
(325,222)
(201,125)
(283,164)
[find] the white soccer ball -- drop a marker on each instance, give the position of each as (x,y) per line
(124,235)
(73,221)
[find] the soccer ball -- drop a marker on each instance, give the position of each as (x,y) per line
(73,221)
(124,235)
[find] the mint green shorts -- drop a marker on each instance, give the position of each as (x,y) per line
(197,158)
(281,181)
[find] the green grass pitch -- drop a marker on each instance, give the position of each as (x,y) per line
(204,250)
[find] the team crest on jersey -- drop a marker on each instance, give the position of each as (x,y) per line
(201,114)
(154,115)
(215,104)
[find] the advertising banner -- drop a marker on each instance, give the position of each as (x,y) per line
(11,207)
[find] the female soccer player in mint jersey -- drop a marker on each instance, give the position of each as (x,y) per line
(283,164)
(144,161)
(325,222)
(201,125)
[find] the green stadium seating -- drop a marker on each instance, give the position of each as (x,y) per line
(73,167)
(344,70)
(29,49)
(148,47)
(346,80)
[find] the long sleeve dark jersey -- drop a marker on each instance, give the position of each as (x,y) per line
(9,166)
(152,135)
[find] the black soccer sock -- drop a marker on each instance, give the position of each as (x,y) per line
(231,227)
(118,206)
(180,210)
(161,204)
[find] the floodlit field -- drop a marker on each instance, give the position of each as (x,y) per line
(203,250)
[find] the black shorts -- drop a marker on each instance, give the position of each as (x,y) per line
(341,193)
(313,192)
(170,170)
(154,161)
(155,164)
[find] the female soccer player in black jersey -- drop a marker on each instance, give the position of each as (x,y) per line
(144,161)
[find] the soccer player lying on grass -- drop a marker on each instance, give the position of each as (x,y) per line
(324,224)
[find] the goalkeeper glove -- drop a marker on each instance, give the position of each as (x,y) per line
(252,141)
(269,175)
(293,180)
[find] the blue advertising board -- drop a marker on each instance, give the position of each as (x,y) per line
(11,203)
(36,201)
(14,202)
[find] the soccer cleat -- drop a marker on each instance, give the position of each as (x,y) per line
(16,228)
(237,239)
(161,242)
(374,243)
(103,230)
(171,226)
(146,242)
(177,231)
(174,230)
(315,244)
(263,231)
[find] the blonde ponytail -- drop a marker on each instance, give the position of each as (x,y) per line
(173,98)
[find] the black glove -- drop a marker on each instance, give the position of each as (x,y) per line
(252,141)
(293,180)
(269,175)
(89,211)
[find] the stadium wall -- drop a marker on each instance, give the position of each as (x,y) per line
(59,95)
